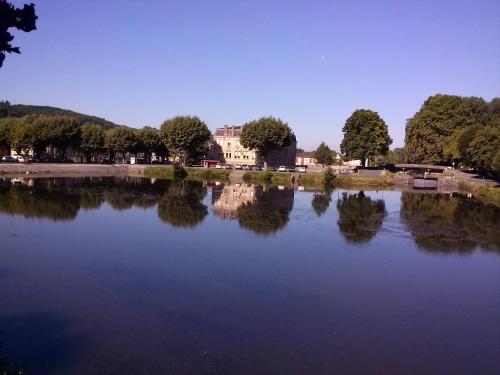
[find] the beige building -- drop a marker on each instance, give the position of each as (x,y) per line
(305,158)
(227,148)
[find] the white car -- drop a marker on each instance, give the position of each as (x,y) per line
(282,168)
(19,158)
(9,159)
(237,166)
(218,166)
(301,169)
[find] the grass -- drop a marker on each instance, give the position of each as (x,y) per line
(311,180)
(200,174)
(486,192)
(364,181)
(267,177)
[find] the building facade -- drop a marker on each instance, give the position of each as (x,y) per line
(305,158)
(226,147)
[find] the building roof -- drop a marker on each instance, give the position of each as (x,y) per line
(305,154)
(229,131)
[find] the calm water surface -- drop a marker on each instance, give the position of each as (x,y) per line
(109,276)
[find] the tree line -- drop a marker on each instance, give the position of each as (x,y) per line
(447,130)
(182,137)
(36,133)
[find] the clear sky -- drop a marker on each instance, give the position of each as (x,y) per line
(311,63)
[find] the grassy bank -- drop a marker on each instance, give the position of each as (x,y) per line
(201,174)
(364,181)
(312,180)
(486,192)
(268,178)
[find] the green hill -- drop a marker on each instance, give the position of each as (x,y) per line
(20,110)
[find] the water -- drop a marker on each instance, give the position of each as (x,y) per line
(110,276)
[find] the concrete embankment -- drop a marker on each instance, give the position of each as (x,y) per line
(70,170)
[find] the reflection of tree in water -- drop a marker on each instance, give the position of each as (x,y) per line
(181,205)
(444,223)
(321,202)
(38,203)
(360,218)
(61,199)
(269,213)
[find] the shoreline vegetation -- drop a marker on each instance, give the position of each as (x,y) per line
(201,174)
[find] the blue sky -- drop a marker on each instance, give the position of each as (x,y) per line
(311,63)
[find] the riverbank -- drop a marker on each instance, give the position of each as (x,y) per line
(486,190)
(70,170)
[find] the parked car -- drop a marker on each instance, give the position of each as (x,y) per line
(9,159)
(291,169)
(257,168)
(301,169)
(237,166)
(19,158)
(227,166)
(247,168)
(282,168)
(272,169)
(218,166)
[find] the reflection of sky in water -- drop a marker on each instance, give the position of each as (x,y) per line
(121,290)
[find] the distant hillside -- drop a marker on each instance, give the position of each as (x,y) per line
(19,110)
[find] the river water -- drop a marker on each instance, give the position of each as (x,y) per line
(133,276)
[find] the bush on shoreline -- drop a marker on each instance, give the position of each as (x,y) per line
(267,177)
(188,173)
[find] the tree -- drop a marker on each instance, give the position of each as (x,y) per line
(265,134)
(121,140)
(93,140)
(433,133)
(5,142)
(365,136)
(484,148)
(151,142)
(21,137)
(183,135)
(22,19)
(324,154)
(60,132)
(396,156)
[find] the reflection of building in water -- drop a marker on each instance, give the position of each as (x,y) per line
(227,199)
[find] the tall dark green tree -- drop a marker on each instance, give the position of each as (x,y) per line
(365,136)
(483,149)
(183,135)
(151,142)
(324,155)
(120,140)
(433,133)
(60,132)
(93,140)
(265,134)
(11,17)
(5,142)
